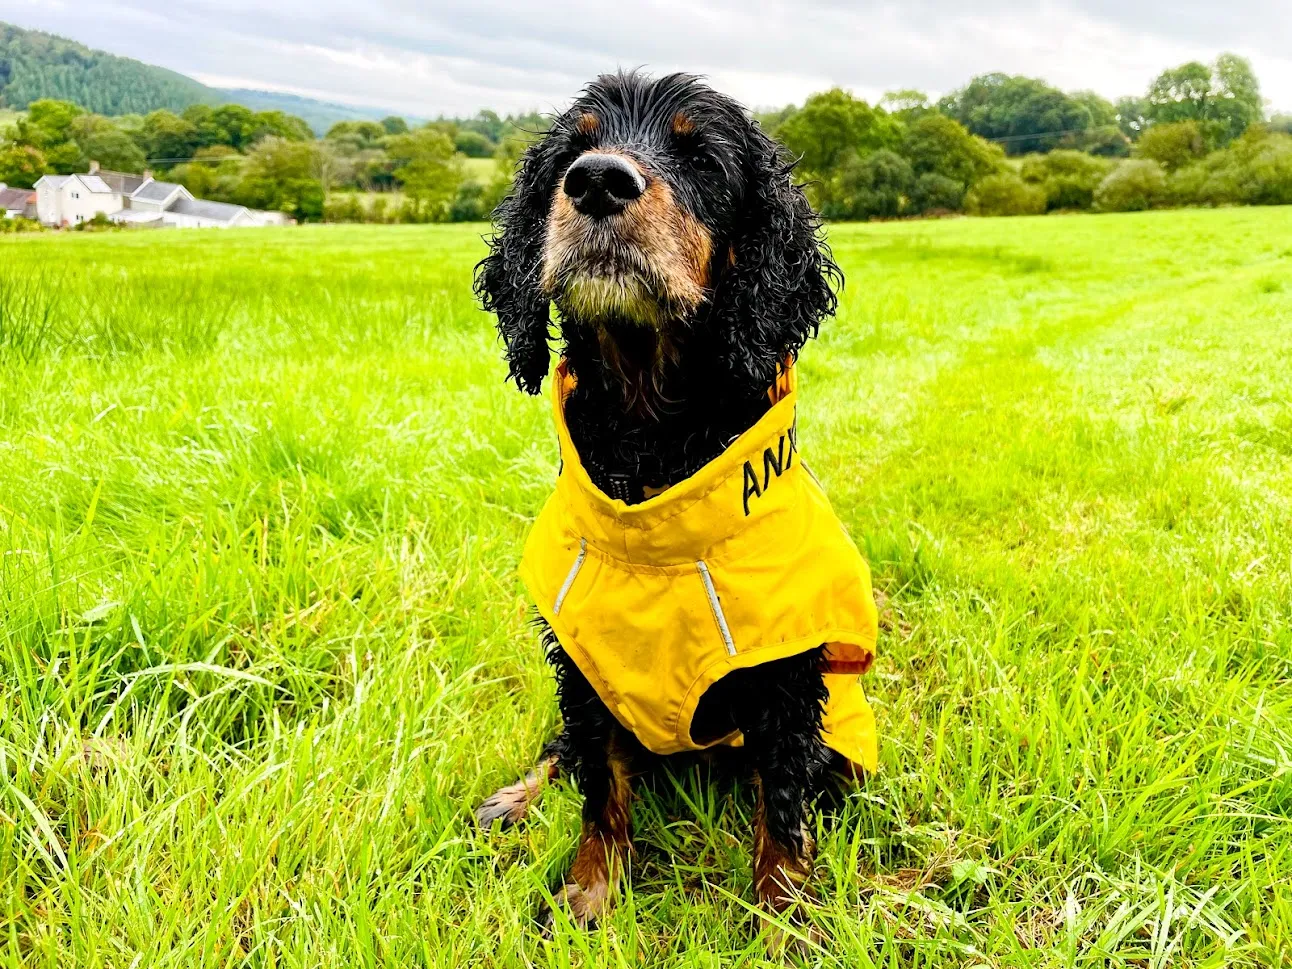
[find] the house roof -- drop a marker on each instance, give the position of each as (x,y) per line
(12,199)
(54,180)
(201,208)
(122,182)
(155,191)
(95,184)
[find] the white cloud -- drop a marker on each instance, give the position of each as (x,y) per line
(456,56)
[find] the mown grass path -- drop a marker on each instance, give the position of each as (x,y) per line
(262,646)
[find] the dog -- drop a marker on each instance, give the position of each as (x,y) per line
(687,271)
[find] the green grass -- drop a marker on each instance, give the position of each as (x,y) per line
(262,647)
(480,170)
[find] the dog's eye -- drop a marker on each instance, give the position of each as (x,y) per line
(692,147)
(699,156)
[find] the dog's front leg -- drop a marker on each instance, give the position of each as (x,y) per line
(597,752)
(782,729)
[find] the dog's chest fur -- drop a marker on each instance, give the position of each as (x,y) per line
(633,457)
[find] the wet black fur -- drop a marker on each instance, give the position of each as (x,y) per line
(773,281)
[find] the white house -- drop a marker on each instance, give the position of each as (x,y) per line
(138,200)
(69,199)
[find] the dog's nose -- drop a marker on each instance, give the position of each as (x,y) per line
(600,185)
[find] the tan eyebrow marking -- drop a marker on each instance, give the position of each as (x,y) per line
(682,125)
(587,123)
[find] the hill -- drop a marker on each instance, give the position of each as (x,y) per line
(35,65)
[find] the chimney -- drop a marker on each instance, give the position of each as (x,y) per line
(94,167)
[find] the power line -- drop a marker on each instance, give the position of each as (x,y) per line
(1001,139)
(177,161)
(1048,134)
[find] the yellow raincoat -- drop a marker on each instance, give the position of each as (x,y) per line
(742,563)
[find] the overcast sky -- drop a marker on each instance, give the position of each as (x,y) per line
(456,56)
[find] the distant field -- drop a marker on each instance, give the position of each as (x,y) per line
(8,117)
(480,169)
(262,647)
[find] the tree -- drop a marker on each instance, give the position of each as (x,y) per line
(1104,136)
(166,138)
(473,144)
(485,123)
(906,104)
(1238,104)
(1005,194)
(214,173)
(361,134)
(1180,94)
(21,165)
(100,140)
(233,125)
(205,130)
(48,128)
(48,123)
(870,186)
(1024,113)
(939,145)
(1225,98)
(936,193)
(1102,111)
(1106,141)
(394,125)
(278,124)
(506,160)
(1132,116)
(286,175)
(833,124)
(1069,178)
(471,204)
(1255,169)
(429,169)
(1133,186)
(1172,145)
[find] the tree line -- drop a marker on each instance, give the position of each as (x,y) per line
(1013,145)
(1001,145)
(382,171)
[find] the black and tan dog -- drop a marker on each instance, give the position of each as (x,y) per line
(693,584)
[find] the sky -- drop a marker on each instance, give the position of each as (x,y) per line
(457,56)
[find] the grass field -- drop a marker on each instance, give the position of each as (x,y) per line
(480,170)
(262,647)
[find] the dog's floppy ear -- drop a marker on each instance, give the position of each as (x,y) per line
(781,280)
(507,280)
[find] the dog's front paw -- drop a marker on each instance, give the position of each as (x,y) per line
(511,803)
(508,805)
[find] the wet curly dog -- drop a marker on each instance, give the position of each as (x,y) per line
(693,586)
